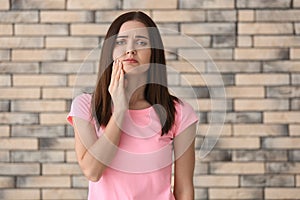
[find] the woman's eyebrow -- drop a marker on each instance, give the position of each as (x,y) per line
(137,36)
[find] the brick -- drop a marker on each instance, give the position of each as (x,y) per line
(21,42)
(15,169)
(205,128)
(201,168)
(276,41)
(6,29)
(277,15)
(223,41)
(68,67)
(4,130)
(89,29)
(82,80)
(237,168)
(111,15)
(294,53)
(4,5)
(246,15)
(238,143)
(16,68)
(19,17)
(83,55)
(5,80)
(19,143)
(207,4)
(200,193)
(4,156)
(283,92)
(18,118)
(282,117)
(53,118)
(56,143)
(260,54)
(237,117)
(244,41)
(168,28)
(294,155)
(282,193)
(151,4)
(281,143)
(210,104)
(261,104)
(265,28)
(19,93)
(208,28)
(183,41)
(217,155)
(92,4)
(57,93)
(61,169)
(216,181)
(267,181)
(296,79)
(245,92)
(259,155)
(37,131)
(71,42)
(264,4)
(43,182)
(38,106)
(4,55)
(297,28)
(294,130)
(185,67)
(260,130)
(20,194)
(221,16)
(7,182)
(41,29)
(283,167)
(262,79)
(296,4)
(71,156)
(66,16)
(64,194)
(281,66)
(206,80)
(208,54)
(37,156)
(36,4)
(4,106)
(79,182)
(235,193)
(178,16)
(38,55)
(298,180)
(40,80)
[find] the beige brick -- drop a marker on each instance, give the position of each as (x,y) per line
(276,41)
(109,16)
(245,92)
(15,169)
(4,156)
(260,104)
(19,144)
(19,17)
(7,182)
(183,41)
(282,193)
(282,117)
(208,28)
(71,156)
(20,194)
(92,4)
(4,131)
(151,4)
(263,4)
(283,92)
(262,79)
(207,54)
(281,143)
(246,15)
(178,16)
(66,16)
(53,118)
(6,29)
(238,143)
(244,41)
(4,55)
(277,15)
(18,118)
(82,80)
(37,156)
(259,156)
(57,143)
(5,80)
(41,29)
(267,181)
(4,4)
(19,68)
(38,106)
(43,182)
(19,93)
(39,80)
(71,42)
(37,4)
(297,28)
(89,29)
(261,130)
(57,93)
(298,180)
(281,66)
(79,182)
(185,67)
(294,130)
(38,55)
(216,181)
(21,42)
(61,169)
(236,193)
(204,129)
(207,4)
(283,167)
(295,53)
(208,104)
(260,54)
(265,28)
(64,194)
(68,67)
(237,168)
(202,80)
(221,15)
(83,55)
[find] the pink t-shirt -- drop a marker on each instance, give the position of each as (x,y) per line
(142,166)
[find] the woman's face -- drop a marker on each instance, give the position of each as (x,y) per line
(132,47)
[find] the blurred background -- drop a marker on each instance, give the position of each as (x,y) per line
(254,44)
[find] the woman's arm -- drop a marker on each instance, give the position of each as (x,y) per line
(184,164)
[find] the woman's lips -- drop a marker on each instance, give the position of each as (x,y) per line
(130,60)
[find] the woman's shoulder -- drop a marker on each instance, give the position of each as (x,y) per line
(183,107)
(83,98)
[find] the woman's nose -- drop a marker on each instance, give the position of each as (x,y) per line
(130,48)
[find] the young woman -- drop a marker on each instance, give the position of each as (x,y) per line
(127,130)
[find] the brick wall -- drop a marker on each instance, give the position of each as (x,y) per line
(255,45)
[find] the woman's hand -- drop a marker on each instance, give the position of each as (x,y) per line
(117,88)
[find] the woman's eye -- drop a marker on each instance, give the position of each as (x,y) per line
(141,43)
(120,42)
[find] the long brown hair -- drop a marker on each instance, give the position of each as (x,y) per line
(156,91)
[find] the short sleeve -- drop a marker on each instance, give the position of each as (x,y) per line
(185,116)
(80,107)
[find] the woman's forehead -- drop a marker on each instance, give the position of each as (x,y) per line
(133,28)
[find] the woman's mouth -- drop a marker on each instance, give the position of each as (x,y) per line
(130,60)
